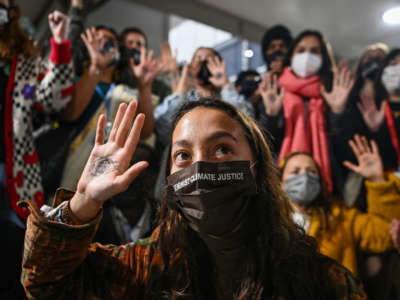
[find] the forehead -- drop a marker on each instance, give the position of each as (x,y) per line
(106,34)
(203,52)
(201,122)
(134,36)
(300,161)
(309,40)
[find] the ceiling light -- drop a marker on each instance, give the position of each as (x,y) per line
(392,16)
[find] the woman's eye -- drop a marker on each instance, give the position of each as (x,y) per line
(223,150)
(181,156)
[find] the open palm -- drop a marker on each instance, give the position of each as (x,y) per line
(369,161)
(108,171)
(272,97)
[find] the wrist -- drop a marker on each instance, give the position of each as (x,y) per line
(83,210)
(95,71)
(337,109)
(379,178)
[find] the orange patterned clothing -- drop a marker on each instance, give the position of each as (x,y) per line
(60,262)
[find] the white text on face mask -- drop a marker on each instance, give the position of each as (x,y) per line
(209,177)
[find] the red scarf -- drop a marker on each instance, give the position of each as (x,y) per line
(305,131)
(393,132)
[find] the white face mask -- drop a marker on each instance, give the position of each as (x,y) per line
(391,79)
(306,64)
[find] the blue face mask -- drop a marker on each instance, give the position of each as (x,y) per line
(302,189)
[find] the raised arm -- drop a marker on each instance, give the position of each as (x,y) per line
(59,260)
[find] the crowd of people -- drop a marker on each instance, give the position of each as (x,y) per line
(127,176)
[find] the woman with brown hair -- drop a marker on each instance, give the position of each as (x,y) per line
(224,231)
(27,83)
(339,231)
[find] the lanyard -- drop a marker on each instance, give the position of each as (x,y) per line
(393,132)
(107,101)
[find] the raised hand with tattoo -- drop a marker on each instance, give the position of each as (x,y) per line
(369,161)
(108,171)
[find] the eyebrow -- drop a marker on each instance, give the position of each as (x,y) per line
(211,138)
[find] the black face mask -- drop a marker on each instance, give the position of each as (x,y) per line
(204,73)
(108,47)
(128,53)
(4,15)
(214,199)
(272,57)
(370,68)
(249,87)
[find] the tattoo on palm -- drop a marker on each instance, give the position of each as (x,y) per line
(103,165)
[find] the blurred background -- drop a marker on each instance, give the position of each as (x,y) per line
(234,27)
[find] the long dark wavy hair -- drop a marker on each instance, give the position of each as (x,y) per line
(281,261)
(325,72)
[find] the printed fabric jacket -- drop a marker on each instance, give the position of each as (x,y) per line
(60,262)
(32,84)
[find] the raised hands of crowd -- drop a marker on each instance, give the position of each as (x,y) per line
(342,84)
(373,117)
(271,94)
(217,68)
(369,161)
(59,24)
(148,68)
(108,171)
(99,60)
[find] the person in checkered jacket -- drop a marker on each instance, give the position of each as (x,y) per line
(27,83)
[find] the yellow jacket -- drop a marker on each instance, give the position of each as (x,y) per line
(383,199)
(350,230)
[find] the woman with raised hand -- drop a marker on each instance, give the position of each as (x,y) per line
(380,272)
(340,232)
(302,105)
(204,77)
(224,231)
(28,84)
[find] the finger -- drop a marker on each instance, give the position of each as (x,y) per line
(126,123)
(336,79)
(123,181)
(360,144)
(118,119)
(100,134)
(355,148)
(134,134)
(268,81)
(323,91)
(282,93)
(351,166)
(275,83)
(383,107)
(374,147)
(150,55)
(142,55)
(85,40)
(361,107)
(365,144)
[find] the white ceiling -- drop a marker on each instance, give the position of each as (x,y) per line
(350,25)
